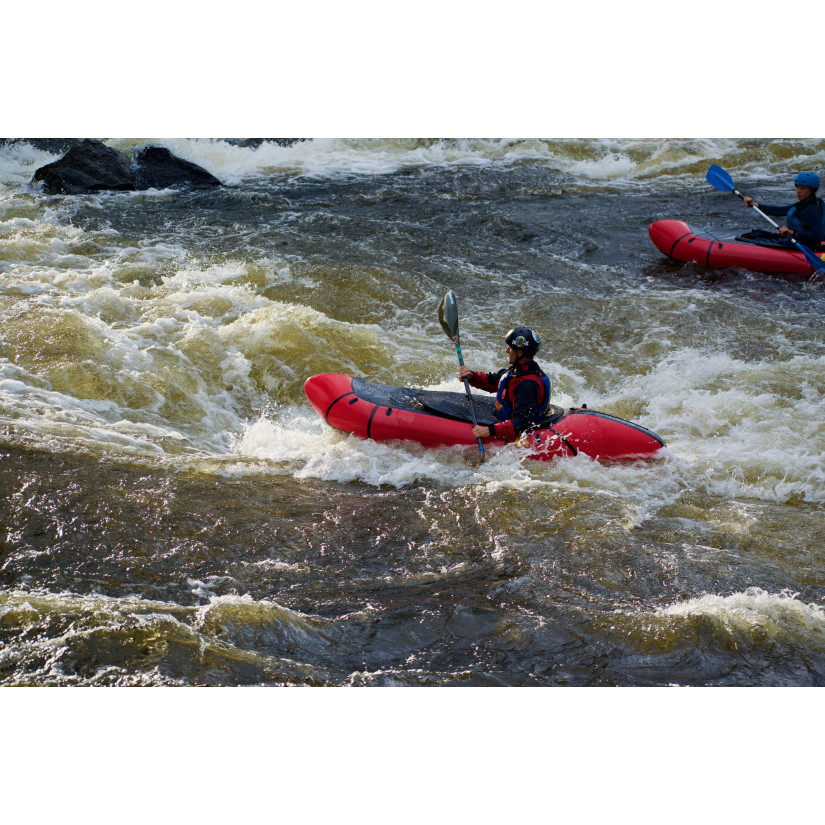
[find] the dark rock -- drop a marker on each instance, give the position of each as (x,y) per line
(89,166)
(158,168)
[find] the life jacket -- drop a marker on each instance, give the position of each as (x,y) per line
(506,393)
(793,221)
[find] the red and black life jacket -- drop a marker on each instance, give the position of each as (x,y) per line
(506,393)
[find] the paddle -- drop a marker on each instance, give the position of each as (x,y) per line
(720,179)
(448,316)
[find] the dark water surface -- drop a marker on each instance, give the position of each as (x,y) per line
(174,513)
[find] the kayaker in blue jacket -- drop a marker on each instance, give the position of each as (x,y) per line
(522,390)
(806,217)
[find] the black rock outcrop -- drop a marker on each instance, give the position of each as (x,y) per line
(158,168)
(91,166)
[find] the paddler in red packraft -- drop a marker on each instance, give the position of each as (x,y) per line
(522,391)
(806,217)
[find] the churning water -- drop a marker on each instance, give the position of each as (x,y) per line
(172,511)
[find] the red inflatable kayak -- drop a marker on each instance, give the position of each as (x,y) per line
(719,250)
(435,419)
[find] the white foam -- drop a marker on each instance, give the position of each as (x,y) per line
(299,437)
(18,163)
(755,608)
(612,165)
(745,428)
(295,441)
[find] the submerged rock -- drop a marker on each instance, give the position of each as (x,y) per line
(158,168)
(254,143)
(91,166)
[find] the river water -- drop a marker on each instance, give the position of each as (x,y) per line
(172,511)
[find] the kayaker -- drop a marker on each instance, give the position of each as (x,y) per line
(806,217)
(522,390)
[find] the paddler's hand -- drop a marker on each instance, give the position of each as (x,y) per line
(749,202)
(481,431)
(464,372)
(783,230)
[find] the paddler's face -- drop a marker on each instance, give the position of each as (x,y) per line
(513,354)
(803,192)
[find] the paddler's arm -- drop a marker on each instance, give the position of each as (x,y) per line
(768,208)
(771,209)
(502,429)
(480,380)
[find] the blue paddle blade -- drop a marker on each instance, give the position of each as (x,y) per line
(817,264)
(719,178)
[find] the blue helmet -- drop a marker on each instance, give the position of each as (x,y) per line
(807,179)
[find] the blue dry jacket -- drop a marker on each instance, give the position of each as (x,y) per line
(806,218)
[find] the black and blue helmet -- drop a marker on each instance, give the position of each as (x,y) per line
(524,338)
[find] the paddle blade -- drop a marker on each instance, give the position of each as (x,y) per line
(817,264)
(719,178)
(448,315)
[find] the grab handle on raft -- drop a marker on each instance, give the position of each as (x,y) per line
(448,316)
(720,179)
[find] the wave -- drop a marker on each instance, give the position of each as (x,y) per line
(758,627)
(584,162)
(756,613)
(57,639)
(201,367)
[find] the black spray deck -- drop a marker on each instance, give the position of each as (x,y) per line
(434,402)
